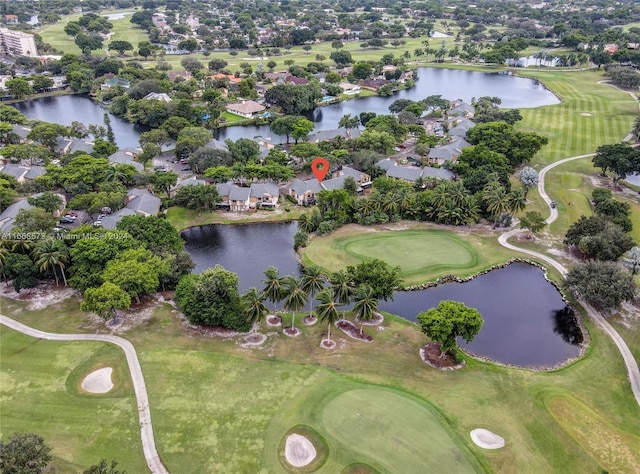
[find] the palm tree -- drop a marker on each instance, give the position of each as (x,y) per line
(517,200)
(49,254)
(636,128)
(295,298)
(4,253)
(366,305)
(340,283)
(115,173)
(305,223)
(253,305)
(497,200)
(312,282)
(273,289)
(327,310)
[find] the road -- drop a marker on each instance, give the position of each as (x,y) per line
(144,414)
(629,361)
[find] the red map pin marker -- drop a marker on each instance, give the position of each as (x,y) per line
(320,168)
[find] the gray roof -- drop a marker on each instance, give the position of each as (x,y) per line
(80,145)
(14,170)
(217,145)
(239,194)
(385,163)
(260,189)
(347,171)
(192,181)
(301,187)
(440,173)
(449,151)
(8,217)
(324,135)
(462,108)
(110,221)
(404,172)
(224,188)
(462,128)
(123,158)
(143,202)
(35,171)
(21,131)
(333,183)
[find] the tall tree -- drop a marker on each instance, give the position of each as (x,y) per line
(312,282)
(449,320)
(601,284)
(327,308)
(341,285)
(273,290)
(253,305)
(365,304)
(50,254)
(24,453)
(529,178)
(106,300)
(295,297)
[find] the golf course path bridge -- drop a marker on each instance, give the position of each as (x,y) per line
(144,414)
(601,322)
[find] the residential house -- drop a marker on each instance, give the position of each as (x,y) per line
(459,128)
(461,108)
(349,88)
(22,132)
(217,145)
(239,198)
(173,75)
(246,108)
(361,178)
(326,135)
(304,192)
(8,216)
(77,144)
(191,181)
(411,174)
(139,202)
(126,156)
(264,194)
(441,154)
(161,96)
(374,84)
(22,173)
(115,82)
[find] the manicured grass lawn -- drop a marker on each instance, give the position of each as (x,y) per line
(229,117)
(423,252)
(40,392)
(567,126)
(399,431)
(183,218)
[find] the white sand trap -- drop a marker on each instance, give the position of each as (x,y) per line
(486,439)
(98,381)
(585,114)
(298,450)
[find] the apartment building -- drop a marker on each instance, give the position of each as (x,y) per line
(17,43)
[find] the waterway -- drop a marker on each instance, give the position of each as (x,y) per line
(526,320)
(451,84)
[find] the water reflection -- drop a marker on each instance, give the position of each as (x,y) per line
(565,325)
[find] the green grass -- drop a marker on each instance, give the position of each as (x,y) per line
(219,407)
(183,218)
(40,392)
(399,431)
(423,252)
(571,133)
(229,117)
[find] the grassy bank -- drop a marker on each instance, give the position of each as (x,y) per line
(183,218)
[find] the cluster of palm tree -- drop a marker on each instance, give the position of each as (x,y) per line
(312,285)
(50,256)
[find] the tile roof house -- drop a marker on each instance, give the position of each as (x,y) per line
(8,216)
(22,173)
(304,192)
(459,128)
(361,178)
(246,108)
(239,198)
(139,202)
(191,181)
(265,194)
(413,173)
(126,156)
(217,145)
(325,135)
(161,96)
(374,84)
(459,107)
(450,152)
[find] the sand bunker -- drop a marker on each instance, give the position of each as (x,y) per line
(98,381)
(298,450)
(585,114)
(486,439)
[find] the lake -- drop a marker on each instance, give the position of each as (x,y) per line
(526,322)
(518,92)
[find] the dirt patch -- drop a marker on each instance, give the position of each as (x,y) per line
(98,381)
(327,344)
(353,331)
(299,451)
(42,296)
(273,320)
(254,339)
(430,354)
(486,439)
(291,332)
(309,320)
(375,321)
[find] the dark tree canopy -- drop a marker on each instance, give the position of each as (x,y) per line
(598,237)
(604,285)
(449,320)
(378,275)
(24,453)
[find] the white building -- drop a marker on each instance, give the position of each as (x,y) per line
(17,43)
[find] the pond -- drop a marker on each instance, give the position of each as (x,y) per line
(450,83)
(526,320)
(64,109)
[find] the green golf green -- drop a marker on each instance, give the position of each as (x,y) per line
(393,430)
(413,251)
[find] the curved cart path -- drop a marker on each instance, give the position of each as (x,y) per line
(601,322)
(144,414)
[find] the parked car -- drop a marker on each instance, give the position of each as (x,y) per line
(97,224)
(66,220)
(402,146)
(72,214)
(186,168)
(184,161)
